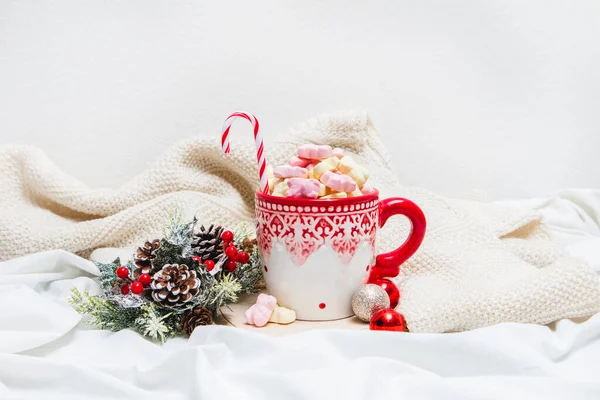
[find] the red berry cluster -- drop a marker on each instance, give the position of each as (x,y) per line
(136,287)
(233,257)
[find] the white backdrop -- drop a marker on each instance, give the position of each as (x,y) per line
(502,96)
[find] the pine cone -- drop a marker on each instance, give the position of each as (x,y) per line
(199,316)
(144,256)
(207,244)
(248,245)
(174,285)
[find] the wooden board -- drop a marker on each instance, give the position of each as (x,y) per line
(234,315)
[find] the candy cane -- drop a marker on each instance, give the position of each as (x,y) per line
(260,157)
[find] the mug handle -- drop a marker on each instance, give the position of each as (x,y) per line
(387,265)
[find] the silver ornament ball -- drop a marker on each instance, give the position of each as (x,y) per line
(368,300)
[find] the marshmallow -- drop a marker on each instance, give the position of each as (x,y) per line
(289,171)
(357,192)
(282,315)
(367,189)
(346,164)
(280,187)
(299,162)
(303,188)
(349,167)
(335,195)
(269,301)
(328,164)
(314,152)
(337,152)
(339,183)
(359,175)
(260,313)
(322,190)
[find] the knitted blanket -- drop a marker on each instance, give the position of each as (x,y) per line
(479,264)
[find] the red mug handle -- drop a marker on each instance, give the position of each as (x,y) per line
(387,265)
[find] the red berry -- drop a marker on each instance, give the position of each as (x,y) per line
(122,272)
(227,236)
(231,252)
(209,264)
(243,257)
(137,287)
(145,279)
(230,266)
(125,289)
(196,258)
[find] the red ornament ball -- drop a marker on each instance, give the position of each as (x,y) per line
(122,272)
(243,257)
(391,289)
(145,279)
(388,320)
(124,289)
(209,264)
(231,252)
(227,236)
(137,287)
(230,266)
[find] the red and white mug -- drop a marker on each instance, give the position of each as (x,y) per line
(317,253)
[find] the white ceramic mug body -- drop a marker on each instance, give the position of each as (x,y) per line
(316,253)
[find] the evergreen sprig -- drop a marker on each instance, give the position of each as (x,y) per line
(176,245)
(108,272)
(248,275)
(103,313)
(225,290)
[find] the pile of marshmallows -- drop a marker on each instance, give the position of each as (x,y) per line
(319,172)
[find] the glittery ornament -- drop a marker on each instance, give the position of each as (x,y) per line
(368,300)
(388,320)
(391,289)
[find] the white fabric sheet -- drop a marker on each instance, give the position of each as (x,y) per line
(45,353)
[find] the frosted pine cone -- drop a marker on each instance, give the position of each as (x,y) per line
(144,257)
(174,285)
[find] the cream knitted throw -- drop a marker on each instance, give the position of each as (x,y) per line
(479,264)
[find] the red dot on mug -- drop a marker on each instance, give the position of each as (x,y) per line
(322,306)
(266,269)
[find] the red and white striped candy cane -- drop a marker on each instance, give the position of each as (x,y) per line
(260,156)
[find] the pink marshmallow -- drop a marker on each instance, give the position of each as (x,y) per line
(337,152)
(259,313)
(289,171)
(269,301)
(303,188)
(299,162)
(313,151)
(366,189)
(339,183)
